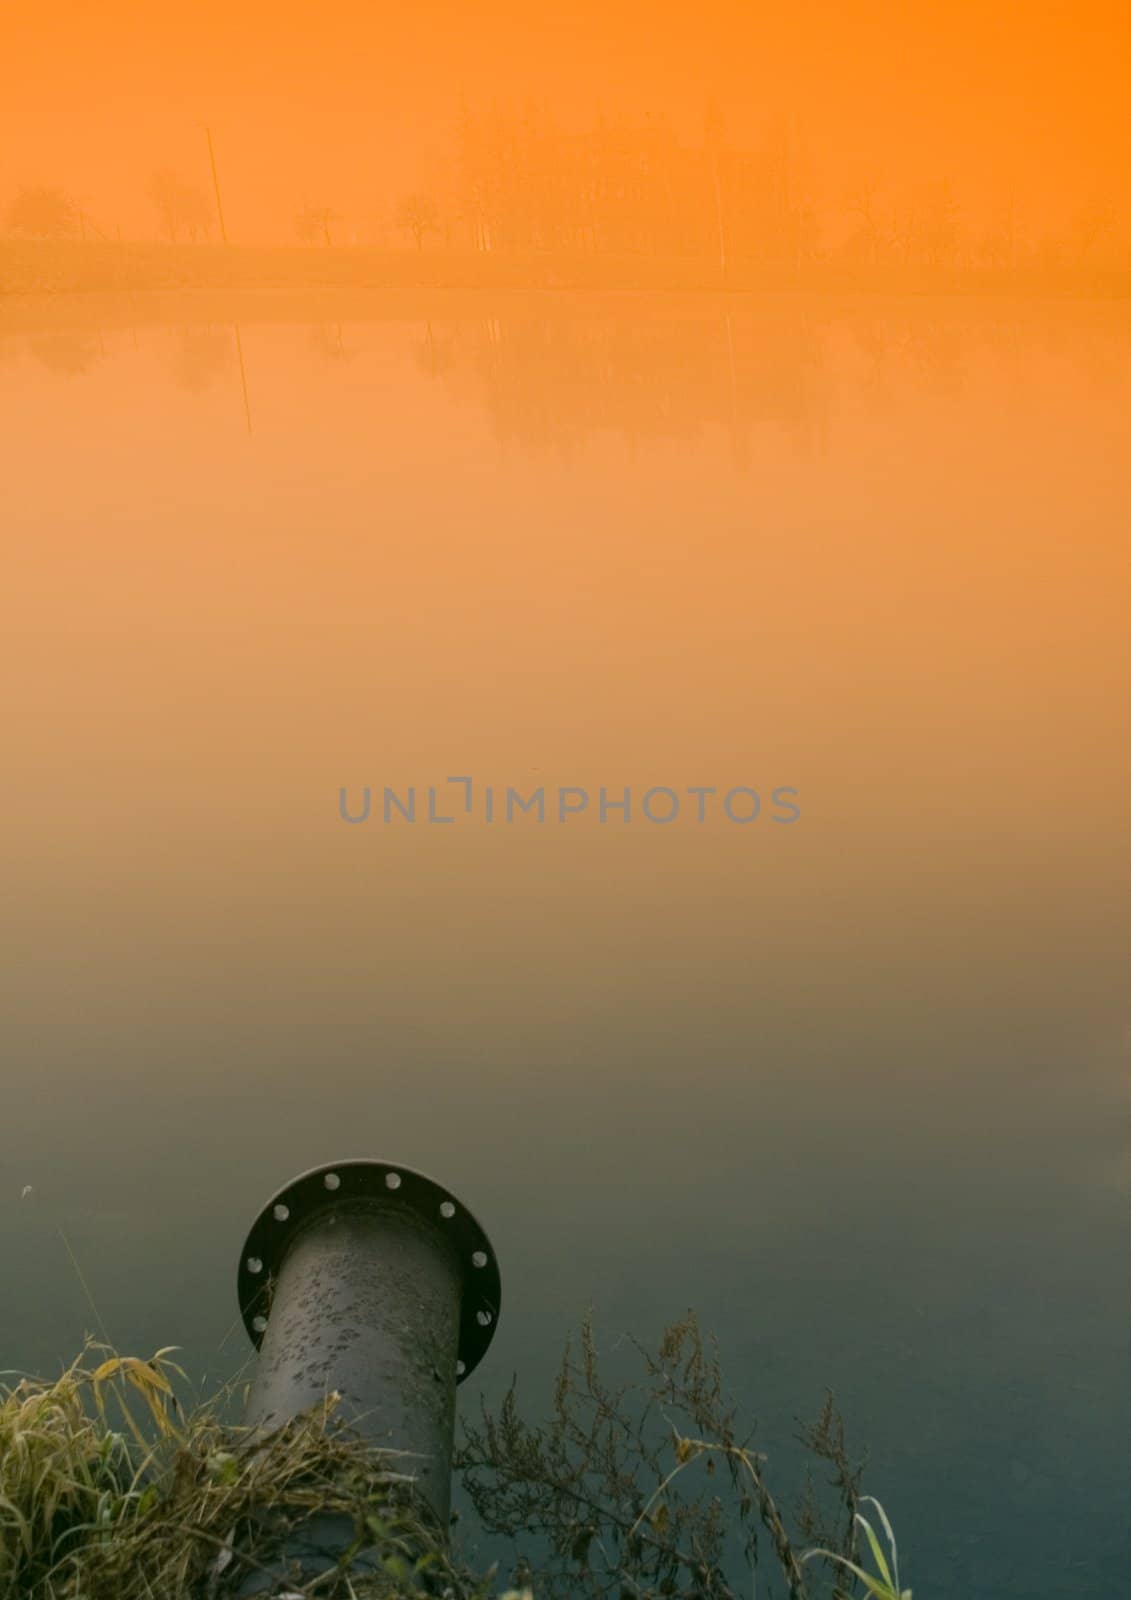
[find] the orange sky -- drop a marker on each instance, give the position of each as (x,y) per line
(349,104)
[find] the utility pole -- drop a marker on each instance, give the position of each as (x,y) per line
(216,186)
(713,138)
(243,378)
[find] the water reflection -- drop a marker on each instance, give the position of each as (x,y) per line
(202,356)
(67,355)
(326,341)
(855,1089)
(436,353)
(555,381)
(552,375)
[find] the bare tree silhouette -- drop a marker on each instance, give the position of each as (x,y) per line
(938,212)
(418,214)
(313,224)
(181,206)
(1089,226)
(862,204)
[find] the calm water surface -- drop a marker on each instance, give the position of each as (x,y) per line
(855,1088)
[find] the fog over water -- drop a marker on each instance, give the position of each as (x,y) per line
(854,1086)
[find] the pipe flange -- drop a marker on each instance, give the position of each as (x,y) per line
(325,1190)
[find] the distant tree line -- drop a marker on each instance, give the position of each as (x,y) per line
(525,185)
(522,184)
(519,184)
(184,212)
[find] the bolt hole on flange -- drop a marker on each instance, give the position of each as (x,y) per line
(325,1195)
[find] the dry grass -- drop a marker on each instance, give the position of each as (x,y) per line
(109,1492)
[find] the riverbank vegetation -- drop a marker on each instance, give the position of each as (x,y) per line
(110,1489)
(32,266)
